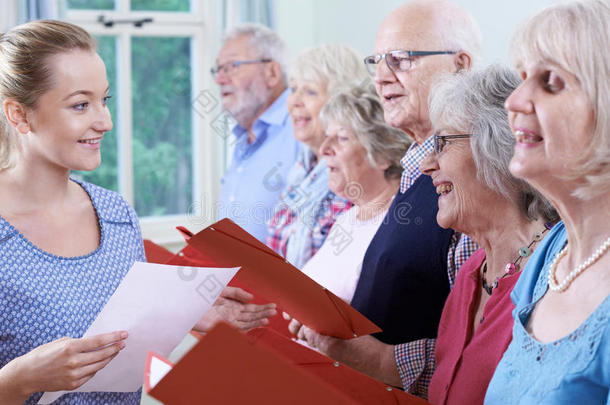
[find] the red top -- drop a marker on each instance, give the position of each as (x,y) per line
(465,362)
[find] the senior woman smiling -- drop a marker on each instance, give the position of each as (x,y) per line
(363,155)
(307,208)
(560,351)
(504,215)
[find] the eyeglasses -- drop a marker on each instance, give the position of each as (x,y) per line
(441,140)
(399,60)
(229,67)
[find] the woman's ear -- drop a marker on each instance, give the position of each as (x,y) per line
(16,115)
(383,164)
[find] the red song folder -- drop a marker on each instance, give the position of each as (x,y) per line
(229,367)
(269,276)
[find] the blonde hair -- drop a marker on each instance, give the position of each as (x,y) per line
(334,66)
(24,72)
(576,37)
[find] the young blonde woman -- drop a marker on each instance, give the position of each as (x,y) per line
(65,245)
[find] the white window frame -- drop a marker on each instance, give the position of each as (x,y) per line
(201,23)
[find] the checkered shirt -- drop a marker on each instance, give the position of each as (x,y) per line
(280,229)
(416,364)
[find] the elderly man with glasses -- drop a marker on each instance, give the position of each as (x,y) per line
(250,70)
(410,265)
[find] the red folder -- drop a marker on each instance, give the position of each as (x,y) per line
(270,277)
(228,367)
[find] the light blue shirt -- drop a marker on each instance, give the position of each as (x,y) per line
(251,187)
(572,370)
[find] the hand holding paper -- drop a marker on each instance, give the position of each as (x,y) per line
(157,305)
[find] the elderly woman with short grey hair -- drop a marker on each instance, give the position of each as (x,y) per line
(363,155)
(307,208)
(478,196)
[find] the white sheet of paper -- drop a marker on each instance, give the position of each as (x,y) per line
(158,370)
(157,305)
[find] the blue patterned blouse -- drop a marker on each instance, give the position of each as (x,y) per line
(572,370)
(44,297)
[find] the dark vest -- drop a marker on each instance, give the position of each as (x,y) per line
(404,284)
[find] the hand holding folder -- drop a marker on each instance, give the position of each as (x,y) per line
(268,275)
(228,367)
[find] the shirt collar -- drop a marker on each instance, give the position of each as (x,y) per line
(412,160)
(275,114)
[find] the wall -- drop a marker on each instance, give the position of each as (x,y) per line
(306,23)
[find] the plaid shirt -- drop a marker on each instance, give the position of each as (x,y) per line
(415,360)
(280,228)
(283,223)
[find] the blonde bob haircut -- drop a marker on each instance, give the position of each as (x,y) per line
(24,71)
(576,37)
(334,66)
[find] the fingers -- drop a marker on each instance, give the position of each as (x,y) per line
(97,342)
(286,316)
(84,374)
(254,308)
(102,354)
(294,326)
(247,325)
(247,321)
(237,294)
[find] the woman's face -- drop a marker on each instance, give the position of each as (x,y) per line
(350,172)
(70,119)
(552,119)
(305,101)
(461,195)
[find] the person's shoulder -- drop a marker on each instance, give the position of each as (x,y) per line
(109,205)
(537,266)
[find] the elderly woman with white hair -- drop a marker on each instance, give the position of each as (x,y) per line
(504,215)
(363,155)
(307,208)
(560,115)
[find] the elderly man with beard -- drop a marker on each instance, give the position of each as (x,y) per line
(410,265)
(250,70)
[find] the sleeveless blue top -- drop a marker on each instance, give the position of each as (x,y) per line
(572,370)
(404,284)
(44,297)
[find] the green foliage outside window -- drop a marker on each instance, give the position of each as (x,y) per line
(106,175)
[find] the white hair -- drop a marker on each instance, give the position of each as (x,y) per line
(333,66)
(267,42)
(474,102)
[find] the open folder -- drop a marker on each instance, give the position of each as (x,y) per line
(268,275)
(228,367)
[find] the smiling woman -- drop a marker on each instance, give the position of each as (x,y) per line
(307,208)
(74,241)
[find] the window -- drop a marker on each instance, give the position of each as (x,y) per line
(164,154)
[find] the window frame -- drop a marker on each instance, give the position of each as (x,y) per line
(207,147)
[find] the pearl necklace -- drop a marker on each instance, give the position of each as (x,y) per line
(552,278)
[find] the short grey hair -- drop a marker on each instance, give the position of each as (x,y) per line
(473,102)
(267,43)
(575,36)
(360,110)
(333,66)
